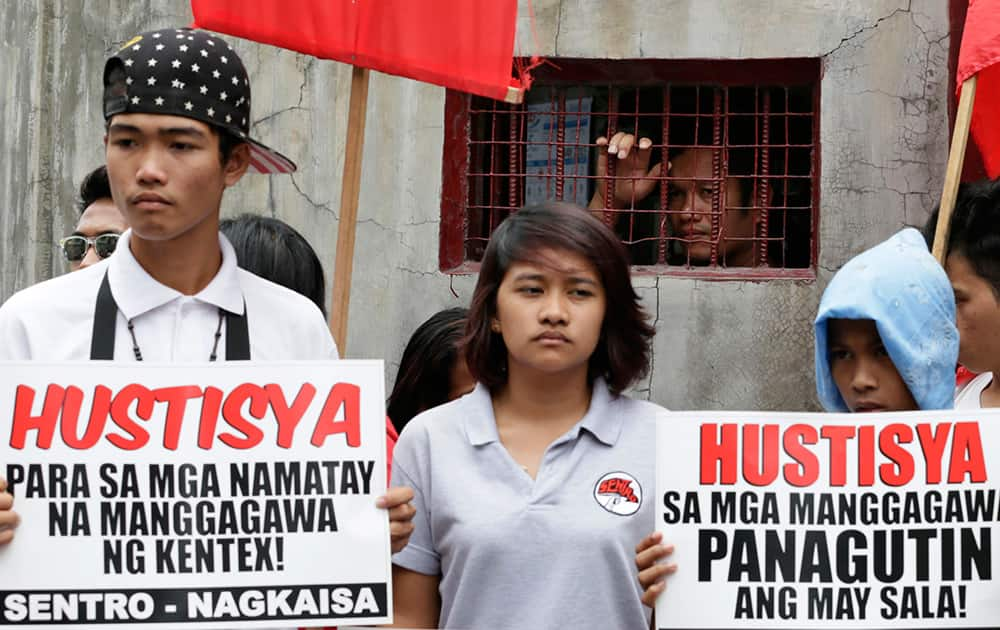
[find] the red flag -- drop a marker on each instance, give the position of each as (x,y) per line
(980,54)
(461,44)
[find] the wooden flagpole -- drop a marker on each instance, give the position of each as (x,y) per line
(953,173)
(347,225)
(350,188)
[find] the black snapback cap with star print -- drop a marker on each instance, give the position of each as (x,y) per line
(191,73)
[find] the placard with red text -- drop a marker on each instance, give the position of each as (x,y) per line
(797,520)
(232,495)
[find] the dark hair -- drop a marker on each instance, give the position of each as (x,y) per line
(272,249)
(227,142)
(622,353)
(975,229)
(94,186)
(686,133)
(424,377)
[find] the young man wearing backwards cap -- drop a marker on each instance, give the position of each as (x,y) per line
(177,110)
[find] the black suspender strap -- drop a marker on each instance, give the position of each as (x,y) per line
(102,341)
(237,336)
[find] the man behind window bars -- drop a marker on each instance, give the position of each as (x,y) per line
(692,198)
(629,196)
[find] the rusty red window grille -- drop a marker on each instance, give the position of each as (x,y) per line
(741,137)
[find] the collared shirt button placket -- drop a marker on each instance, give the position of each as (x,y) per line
(549,472)
(177,344)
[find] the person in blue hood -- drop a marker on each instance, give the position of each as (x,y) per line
(885,331)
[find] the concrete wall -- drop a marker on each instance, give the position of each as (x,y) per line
(720,345)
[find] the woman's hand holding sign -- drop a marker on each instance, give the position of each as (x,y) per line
(8,517)
(652,573)
(401,512)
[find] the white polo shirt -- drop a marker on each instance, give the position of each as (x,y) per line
(53,320)
(512,552)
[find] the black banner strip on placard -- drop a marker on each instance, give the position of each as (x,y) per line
(192,606)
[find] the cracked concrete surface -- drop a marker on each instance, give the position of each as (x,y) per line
(864,28)
(719,345)
(885,128)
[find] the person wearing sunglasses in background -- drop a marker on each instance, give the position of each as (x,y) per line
(100,224)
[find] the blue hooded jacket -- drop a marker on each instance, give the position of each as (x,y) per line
(900,286)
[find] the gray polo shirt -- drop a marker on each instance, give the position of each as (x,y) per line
(512,552)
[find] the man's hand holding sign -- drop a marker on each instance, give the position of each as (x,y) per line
(828,521)
(202,496)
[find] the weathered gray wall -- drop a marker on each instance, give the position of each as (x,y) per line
(719,344)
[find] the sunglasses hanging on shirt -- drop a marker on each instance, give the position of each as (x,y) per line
(75,247)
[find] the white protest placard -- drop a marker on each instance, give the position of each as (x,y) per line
(815,521)
(231,495)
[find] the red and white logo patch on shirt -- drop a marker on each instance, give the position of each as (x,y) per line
(618,493)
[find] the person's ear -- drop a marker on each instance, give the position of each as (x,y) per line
(236,166)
